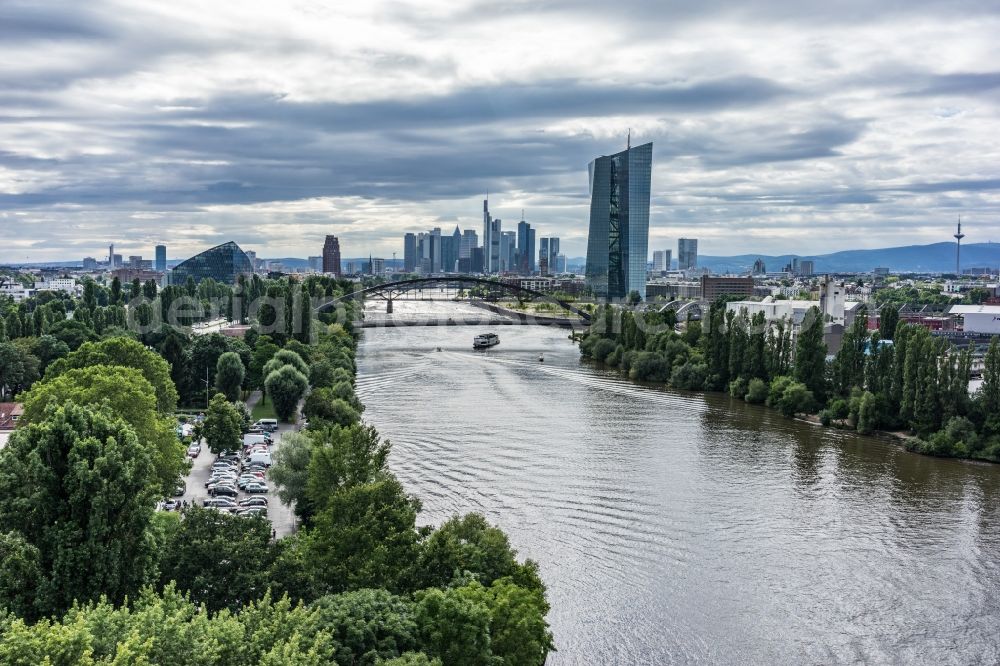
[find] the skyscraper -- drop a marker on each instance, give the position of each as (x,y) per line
(161,258)
(553,253)
(508,248)
(409,253)
(687,253)
(659,261)
(456,247)
(531,250)
(618,239)
(331,255)
(523,254)
(491,240)
(470,241)
(111,257)
(543,255)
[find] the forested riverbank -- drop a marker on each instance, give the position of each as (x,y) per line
(898,378)
(91,572)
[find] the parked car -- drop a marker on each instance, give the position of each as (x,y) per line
(194,450)
(256,487)
(229,491)
(253,501)
(180,489)
(252,511)
(220,502)
(171,505)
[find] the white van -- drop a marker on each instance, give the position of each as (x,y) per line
(267,424)
(260,457)
(250,439)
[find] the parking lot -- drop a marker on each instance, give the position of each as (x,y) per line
(281,515)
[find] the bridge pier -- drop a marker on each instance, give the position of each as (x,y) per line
(388,306)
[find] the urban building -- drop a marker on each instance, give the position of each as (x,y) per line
(802,267)
(252,256)
(316,264)
(478,260)
(135,261)
(352,268)
(116,261)
(713,287)
(378,266)
(89,264)
(223,263)
(508,252)
(409,252)
(618,237)
(661,261)
(759,268)
(331,255)
(560,264)
(543,255)
(525,247)
(832,297)
(470,241)
(687,253)
(160,252)
(111,257)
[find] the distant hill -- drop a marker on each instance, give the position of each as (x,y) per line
(933,258)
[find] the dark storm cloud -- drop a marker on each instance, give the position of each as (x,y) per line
(502,103)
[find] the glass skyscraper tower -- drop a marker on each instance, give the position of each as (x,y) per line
(618,241)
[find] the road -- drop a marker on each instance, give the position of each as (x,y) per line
(281,515)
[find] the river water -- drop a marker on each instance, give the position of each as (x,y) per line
(675,527)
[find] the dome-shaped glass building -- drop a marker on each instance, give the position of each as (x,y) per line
(223,263)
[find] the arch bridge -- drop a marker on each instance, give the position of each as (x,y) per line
(492,288)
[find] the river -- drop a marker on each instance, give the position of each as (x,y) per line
(684,528)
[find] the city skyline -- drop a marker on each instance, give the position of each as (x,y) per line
(773,122)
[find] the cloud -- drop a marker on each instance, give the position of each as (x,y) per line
(778,123)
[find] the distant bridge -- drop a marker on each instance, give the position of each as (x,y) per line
(493,288)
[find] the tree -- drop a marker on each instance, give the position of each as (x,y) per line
(888,320)
(264,351)
(116,290)
(344,457)
(223,425)
(286,386)
(455,625)
(77,486)
(126,353)
(20,572)
(322,405)
(368,625)
(12,369)
(810,354)
(221,560)
(229,373)
(129,396)
(73,331)
(756,391)
(366,536)
(468,547)
(48,349)
(290,471)
(203,359)
(795,399)
(286,357)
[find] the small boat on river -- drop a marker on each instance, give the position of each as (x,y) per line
(485,340)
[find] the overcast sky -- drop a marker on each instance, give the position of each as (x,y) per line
(789,126)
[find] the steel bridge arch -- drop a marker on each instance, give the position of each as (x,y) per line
(385,290)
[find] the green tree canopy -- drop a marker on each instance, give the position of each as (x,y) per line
(221,560)
(77,485)
(127,353)
(129,396)
(229,374)
(286,386)
(223,426)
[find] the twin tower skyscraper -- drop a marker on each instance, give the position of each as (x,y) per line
(618,240)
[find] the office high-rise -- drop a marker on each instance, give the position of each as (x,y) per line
(161,258)
(409,253)
(543,255)
(661,261)
(331,255)
(687,253)
(508,248)
(618,239)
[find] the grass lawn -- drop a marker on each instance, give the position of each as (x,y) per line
(264,409)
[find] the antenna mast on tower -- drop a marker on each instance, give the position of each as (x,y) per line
(958,248)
